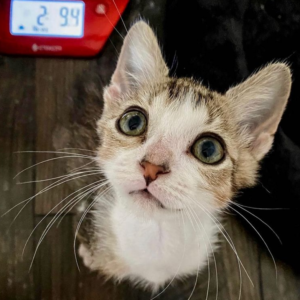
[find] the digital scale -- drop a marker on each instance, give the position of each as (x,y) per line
(57,27)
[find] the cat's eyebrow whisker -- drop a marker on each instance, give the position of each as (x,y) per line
(108,19)
(264,187)
(88,187)
(48,227)
(120,15)
(116,50)
(98,197)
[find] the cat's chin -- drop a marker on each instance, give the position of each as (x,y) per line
(146,199)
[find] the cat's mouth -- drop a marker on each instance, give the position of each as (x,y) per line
(146,195)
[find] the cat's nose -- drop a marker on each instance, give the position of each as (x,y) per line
(152,171)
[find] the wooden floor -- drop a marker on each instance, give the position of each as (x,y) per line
(33,93)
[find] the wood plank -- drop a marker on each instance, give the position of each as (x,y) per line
(54,82)
(54,266)
(16,134)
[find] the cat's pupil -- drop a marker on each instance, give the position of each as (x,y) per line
(134,122)
(208,149)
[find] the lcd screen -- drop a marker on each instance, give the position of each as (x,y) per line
(47,18)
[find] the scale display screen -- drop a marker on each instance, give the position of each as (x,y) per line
(47,18)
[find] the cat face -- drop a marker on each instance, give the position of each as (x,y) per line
(171,144)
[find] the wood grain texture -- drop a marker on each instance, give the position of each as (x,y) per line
(17,130)
(54,80)
(34,99)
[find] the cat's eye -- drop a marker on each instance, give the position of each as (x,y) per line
(133,123)
(208,150)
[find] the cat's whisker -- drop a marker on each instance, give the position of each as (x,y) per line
(181,191)
(266,224)
(62,176)
(263,240)
(77,201)
(264,187)
(49,187)
(53,152)
(88,187)
(120,15)
(48,227)
(257,232)
(87,210)
(52,185)
(72,203)
(195,216)
(52,159)
(242,207)
(262,208)
(212,251)
(198,269)
(82,167)
(180,264)
(116,50)
(116,30)
(78,149)
(227,237)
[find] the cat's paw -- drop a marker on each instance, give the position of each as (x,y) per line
(86,256)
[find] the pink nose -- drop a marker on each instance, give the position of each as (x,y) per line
(151,171)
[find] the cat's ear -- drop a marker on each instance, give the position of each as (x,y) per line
(140,62)
(258,104)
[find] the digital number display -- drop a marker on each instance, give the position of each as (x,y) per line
(47,18)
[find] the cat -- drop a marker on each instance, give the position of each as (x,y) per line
(173,154)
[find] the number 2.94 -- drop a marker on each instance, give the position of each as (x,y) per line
(68,15)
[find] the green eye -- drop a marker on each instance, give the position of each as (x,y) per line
(208,149)
(133,123)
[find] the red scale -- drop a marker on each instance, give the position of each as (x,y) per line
(57,27)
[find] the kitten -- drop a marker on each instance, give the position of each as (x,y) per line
(174,155)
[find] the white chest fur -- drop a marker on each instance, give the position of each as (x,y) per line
(157,250)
